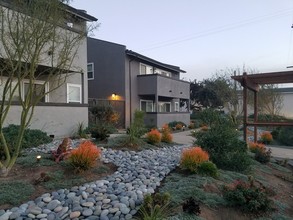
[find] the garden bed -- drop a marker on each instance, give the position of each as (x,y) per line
(30,179)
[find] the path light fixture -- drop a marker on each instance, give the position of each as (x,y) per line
(38,158)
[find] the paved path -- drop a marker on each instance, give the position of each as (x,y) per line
(277,151)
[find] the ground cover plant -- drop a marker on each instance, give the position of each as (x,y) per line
(32,177)
(259,193)
(31,138)
(193,195)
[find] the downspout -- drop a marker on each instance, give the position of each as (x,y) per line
(130,90)
(83,87)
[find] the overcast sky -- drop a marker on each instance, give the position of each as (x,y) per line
(200,36)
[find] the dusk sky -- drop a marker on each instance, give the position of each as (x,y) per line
(201,37)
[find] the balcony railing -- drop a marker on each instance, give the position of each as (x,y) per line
(162,86)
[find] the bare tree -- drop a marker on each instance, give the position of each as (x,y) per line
(36,44)
(270,100)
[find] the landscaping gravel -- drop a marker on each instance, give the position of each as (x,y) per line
(118,196)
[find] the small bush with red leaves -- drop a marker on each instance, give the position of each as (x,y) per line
(154,136)
(166,134)
(247,197)
(85,156)
(266,137)
(191,158)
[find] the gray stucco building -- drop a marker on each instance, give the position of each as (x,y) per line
(65,94)
(132,81)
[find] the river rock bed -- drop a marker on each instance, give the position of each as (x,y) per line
(118,196)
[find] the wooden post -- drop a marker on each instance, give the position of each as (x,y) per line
(255,115)
(244,107)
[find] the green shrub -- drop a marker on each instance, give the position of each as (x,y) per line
(269,118)
(286,136)
(208,168)
(275,133)
(248,197)
(31,138)
(101,131)
(222,143)
(104,121)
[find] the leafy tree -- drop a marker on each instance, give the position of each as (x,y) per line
(32,33)
(210,93)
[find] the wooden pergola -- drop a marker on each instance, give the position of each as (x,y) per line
(252,83)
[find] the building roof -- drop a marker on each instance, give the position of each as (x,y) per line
(252,81)
(80,13)
(77,12)
(152,61)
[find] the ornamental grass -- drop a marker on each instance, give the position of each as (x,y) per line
(191,158)
(166,137)
(85,156)
(266,137)
(154,136)
(254,147)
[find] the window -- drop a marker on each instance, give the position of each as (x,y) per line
(176,106)
(90,71)
(73,93)
(39,90)
(162,72)
(3,81)
(146,105)
(145,69)
(164,107)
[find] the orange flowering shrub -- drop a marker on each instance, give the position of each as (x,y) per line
(266,137)
(85,156)
(166,135)
(191,125)
(254,147)
(178,126)
(191,158)
(154,136)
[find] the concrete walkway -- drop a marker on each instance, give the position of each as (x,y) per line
(277,151)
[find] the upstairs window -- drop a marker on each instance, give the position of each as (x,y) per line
(162,72)
(146,105)
(90,71)
(73,93)
(145,69)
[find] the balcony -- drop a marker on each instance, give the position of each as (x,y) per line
(154,84)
